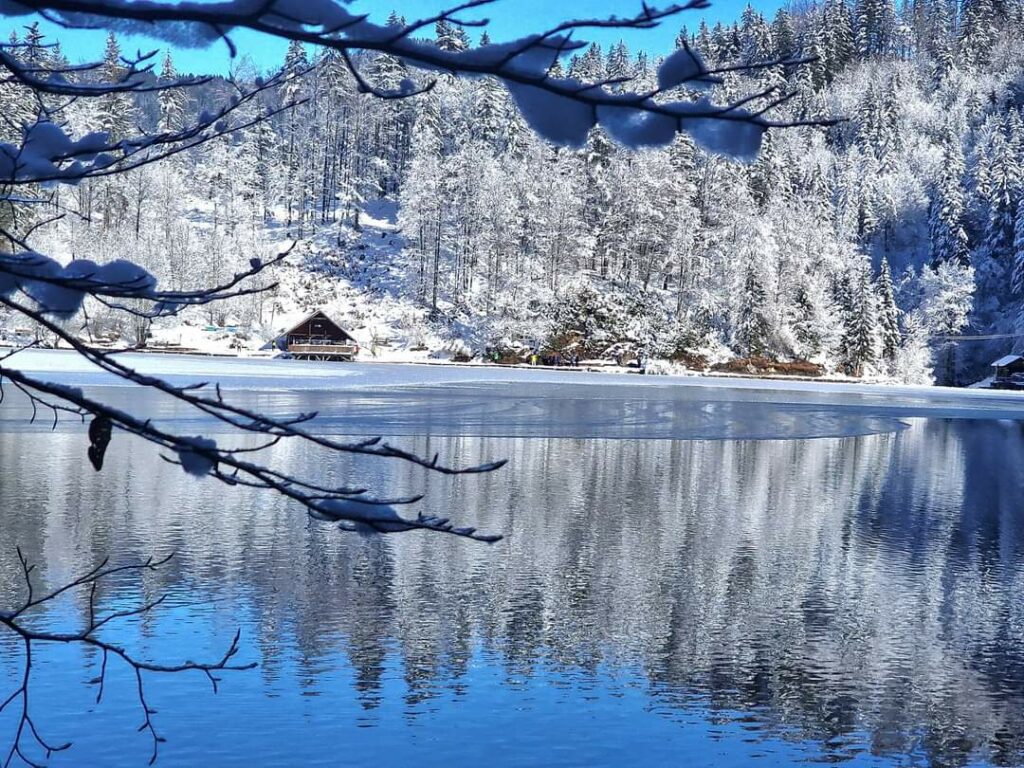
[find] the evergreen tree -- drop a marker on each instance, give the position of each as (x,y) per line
(867,206)
(34,51)
(1002,191)
(939,40)
(703,43)
(753,329)
(977,31)
(590,67)
(388,72)
(904,39)
(835,28)
(296,63)
(683,222)
(599,197)
(783,37)
(878,123)
(812,75)
(874,23)
(888,315)
(1017,280)
(684,38)
(807,320)
(644,77)
(946,221)
(947,296)
(115,111)
(451,37)
(16,109)
(490,112)
(860,321)
(755,37)
(768,177)
(619,66)
(172,100)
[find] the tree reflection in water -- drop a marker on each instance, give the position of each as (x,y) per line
(861,593)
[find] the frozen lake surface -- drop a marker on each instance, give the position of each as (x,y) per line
(516,402)
(675,588)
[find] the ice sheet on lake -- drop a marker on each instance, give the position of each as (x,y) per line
(364,398)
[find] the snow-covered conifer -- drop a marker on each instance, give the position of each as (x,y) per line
(888,315)
(752,327)
(172,100)
(1017,280)
(860,321)
(874,24)
(783,37)
(946,221)
(115,112)
(450,36)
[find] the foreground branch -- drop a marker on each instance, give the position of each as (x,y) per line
(28,738)
(563,110)
(352,508)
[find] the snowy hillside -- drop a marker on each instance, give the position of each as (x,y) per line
(440,226)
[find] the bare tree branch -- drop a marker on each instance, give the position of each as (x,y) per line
(27,735)
(340,505)
(332,27)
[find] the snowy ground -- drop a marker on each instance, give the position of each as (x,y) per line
(260,372)
(482,400)
(357,276)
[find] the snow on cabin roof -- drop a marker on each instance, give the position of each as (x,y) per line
(309,317)
(1005,361)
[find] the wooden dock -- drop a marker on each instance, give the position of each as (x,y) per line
(323,352)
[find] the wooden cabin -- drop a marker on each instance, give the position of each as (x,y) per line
(318,337)
(1005,368)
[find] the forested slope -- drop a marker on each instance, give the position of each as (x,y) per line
(862,245)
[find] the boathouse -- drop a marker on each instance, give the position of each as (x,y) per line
(1005,367)
(317,337)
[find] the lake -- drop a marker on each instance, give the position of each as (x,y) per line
(701,573)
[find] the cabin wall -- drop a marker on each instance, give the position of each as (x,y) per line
(1007,371)
(318,329)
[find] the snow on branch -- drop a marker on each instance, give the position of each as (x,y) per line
(56,80)
(46,154)
(562,110)
(60,290)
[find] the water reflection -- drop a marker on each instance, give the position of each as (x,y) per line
(858,594)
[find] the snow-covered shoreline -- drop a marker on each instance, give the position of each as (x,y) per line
(257,372)
(479,400)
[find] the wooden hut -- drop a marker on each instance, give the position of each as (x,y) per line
(318,337)
(1005,368)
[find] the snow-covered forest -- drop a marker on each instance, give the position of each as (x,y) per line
(441,221)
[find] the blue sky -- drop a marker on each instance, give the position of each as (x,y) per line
(509,19)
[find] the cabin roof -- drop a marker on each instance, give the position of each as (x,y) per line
(1008,360)
(307,318)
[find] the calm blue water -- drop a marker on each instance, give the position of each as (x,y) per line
(725,602)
